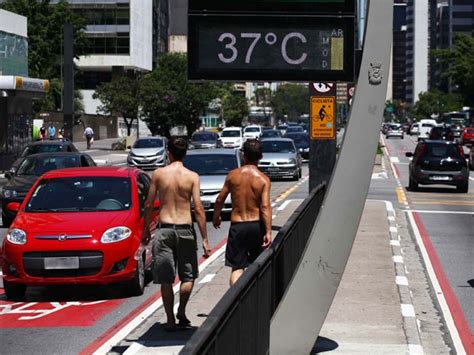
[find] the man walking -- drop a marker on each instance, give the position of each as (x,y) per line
(175,243)
(52,131)
(89,135)
(251,218)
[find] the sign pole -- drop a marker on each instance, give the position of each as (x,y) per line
(322,150)
(68,79)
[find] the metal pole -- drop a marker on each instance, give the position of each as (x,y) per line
(312,288)
(68,80)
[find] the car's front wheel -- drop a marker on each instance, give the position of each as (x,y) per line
(412,184)
(137,284)
(14,291)
(7,221)
(463,188)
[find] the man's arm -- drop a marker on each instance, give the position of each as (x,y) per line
(266,213)
(200,215)
(219,204)
(149,207)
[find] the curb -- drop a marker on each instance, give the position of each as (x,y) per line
(410,322)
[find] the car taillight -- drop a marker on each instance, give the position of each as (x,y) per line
(461,151)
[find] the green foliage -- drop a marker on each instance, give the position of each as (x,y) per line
(120,96)
(394,110)
(290,100)
(169,99)
(459,61)
(235,108)
(436,102)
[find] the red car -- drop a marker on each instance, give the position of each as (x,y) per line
(79,226)
(468,135)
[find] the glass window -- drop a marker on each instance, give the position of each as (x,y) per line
(204,137)
(210,164)
(234,133)
(278,147)
(148,143)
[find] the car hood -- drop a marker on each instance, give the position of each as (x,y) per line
(203,142)
(21,183)
(147,151)
(212,182)
(277,157)
(70,222)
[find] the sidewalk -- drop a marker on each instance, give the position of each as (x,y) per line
(365,317)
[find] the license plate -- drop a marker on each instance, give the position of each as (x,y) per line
(441,178)
(61,263)
(206,204)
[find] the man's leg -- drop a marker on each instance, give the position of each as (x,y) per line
(235,274)
(184,294)
(168,301)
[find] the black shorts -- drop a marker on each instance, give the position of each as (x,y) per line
(244,244)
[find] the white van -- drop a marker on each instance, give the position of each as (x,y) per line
(424,128)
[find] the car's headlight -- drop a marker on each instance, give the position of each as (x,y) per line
(16,236)
(7,193)
(115,234)
(292,161)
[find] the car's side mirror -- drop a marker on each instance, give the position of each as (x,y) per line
(409,154)
(8,175)
(13,206)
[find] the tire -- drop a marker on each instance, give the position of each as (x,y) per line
(463,188)
(412,185)
(137,284)
(7,221)
(295,177)
(14,291)
(300,174)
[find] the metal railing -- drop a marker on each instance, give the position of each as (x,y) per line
(240,322)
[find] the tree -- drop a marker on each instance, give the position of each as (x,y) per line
(436,102)
(459,64)
(235,108)
(169,99)
(263,98)
(120,96)
(290,100)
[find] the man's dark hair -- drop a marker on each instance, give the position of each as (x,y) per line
(178,147)
(252,150)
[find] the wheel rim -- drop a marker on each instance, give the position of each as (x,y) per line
(141,274)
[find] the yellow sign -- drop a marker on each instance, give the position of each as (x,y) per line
(323,122)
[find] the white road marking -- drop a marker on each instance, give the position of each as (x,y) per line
(439,212)
(408,310)
(471,178)
(379,176)
(395,243)
(284,205)
(391,218)
(274,216)
(393,229)
(398,259)
(133,349)
(207,278)
(437,288)
(401,280)
(395,160)
(147,312)
(414,349)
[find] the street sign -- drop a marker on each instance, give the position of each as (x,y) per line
(323,125)
(284,6)
(270,48)
(323,87)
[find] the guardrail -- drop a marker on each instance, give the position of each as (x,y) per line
(240,322)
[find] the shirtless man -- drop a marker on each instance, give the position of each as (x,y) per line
(175,243)
(251,219)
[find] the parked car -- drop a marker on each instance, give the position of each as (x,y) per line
(204,140)
(468,136)
(301,141)
(252,132)
(271,133)
(213,165)
(438,162)
(395,130)
(441,133)
(80,226)
(280,158)
(148,153)
(424,128)
(44,146)
(414,129)
(232,137)
(29,170)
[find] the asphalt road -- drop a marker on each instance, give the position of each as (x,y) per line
(65,320)
(446,220)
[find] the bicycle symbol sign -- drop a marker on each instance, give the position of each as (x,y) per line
(322,117)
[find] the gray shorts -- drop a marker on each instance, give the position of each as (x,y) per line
(174,248)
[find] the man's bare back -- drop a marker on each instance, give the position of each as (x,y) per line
(175,184)
(246,186)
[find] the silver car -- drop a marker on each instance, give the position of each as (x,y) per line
(148,152)
(212,165)
(280,158)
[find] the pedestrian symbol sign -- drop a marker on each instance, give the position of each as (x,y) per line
(323,125)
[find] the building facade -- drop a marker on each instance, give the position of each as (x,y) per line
(399,51)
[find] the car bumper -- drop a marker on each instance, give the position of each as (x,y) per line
(394,134)
(429,177)
(232,145)
(279,172)
(468,140)
(50,266)
(146,163)
(208,202)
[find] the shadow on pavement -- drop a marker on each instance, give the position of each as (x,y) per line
(441,190)
(324,344)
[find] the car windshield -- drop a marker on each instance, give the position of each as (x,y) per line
(441,150)
(395,126)
(81,194)
(148,143)
(234,133)
(278,147)
(42,148)
(299,139)
(427,125)
(37,166)
(210,164)
(271,134)
(204,137)
(252,129)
